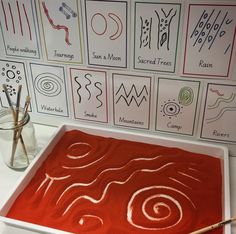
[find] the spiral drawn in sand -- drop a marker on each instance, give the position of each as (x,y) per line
(186,96)
(160,206)
(48,84)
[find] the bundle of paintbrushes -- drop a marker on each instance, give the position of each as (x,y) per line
(18,115)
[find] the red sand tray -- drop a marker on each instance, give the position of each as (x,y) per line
(94,184)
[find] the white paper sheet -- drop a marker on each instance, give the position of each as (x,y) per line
(106,33)
(177,102)
(156,36)
(12,74)
(49,89)
(19,28)
(219,114)
(89,89)
(131,100)
(61,26)
(210,35)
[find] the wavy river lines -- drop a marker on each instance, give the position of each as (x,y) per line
(222,100)
(114,186)
(221,106)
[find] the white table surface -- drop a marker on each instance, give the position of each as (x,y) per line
(9,177)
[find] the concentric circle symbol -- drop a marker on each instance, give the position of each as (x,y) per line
(48,84)
(171,109)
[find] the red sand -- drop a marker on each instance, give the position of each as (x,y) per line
(103,185)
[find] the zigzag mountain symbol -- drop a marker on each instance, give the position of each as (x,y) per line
(132,95)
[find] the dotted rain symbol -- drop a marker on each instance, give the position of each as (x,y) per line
(186,96)
(211,26)
(48,84)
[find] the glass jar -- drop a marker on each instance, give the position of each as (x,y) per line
(18,144)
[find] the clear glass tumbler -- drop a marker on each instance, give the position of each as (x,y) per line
(18,145)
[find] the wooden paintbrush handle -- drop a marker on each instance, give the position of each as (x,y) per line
(214,226)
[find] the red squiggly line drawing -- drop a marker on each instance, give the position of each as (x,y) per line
(12,19)
(27,19)
(217,92)
(57,27)
(5,17)
(18,9)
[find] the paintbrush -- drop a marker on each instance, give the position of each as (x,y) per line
(214,226)
(14,117)
(26,106)
(14,144)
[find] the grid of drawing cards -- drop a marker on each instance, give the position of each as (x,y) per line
(160,66)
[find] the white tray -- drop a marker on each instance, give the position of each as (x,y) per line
(196,147)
